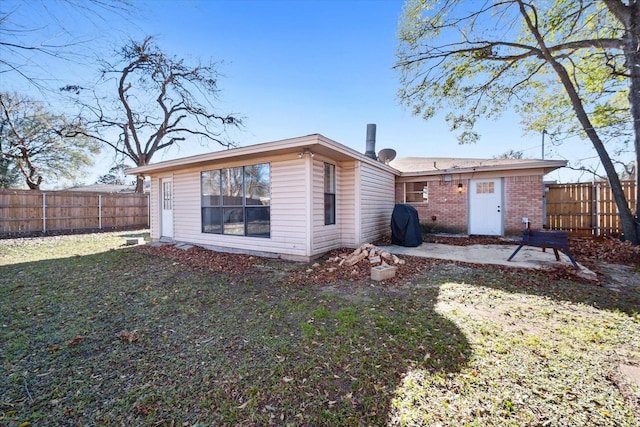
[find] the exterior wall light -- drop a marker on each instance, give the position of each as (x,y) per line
(460,188)
(307,152)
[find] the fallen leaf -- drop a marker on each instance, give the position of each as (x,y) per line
(132,336)
(244,405)
(74,340)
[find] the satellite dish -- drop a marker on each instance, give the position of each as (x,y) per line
(386,155)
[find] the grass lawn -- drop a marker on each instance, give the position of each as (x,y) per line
(96,333)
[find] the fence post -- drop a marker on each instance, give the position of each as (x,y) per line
(100,211)
(595,214)
(44,212)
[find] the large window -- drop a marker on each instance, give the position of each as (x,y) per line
(236,201)
(329,194)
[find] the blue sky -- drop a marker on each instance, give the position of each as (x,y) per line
(290,68)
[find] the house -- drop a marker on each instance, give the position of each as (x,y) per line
(296,198)
(474,196)
(299,198)
(103,188)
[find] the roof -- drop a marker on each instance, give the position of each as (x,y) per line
(412,166)
(314,143)
(104,188)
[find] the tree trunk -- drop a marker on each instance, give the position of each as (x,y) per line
(139,184)
(630,227)
(632,56)
(33,185)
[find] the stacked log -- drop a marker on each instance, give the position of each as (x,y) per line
(369,253)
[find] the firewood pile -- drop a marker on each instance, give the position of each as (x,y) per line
(369,253)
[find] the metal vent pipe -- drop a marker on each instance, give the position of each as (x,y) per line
(371,141)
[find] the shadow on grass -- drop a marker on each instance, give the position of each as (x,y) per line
(123,337)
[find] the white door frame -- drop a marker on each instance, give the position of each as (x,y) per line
(486,207)
(166,208)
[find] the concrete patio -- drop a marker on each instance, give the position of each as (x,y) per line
(527,257)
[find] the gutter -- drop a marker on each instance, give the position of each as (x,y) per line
(546,165)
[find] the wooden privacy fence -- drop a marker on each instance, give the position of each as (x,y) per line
(586,208)
(30,211)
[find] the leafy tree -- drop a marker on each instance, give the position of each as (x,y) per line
(9,176)
(511,154)
(39,144)
(159,102)
(569,66)
(115,176)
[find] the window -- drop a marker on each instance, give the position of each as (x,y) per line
(416,192)
(166,195)
(236,201)
(329,194)
(485,188)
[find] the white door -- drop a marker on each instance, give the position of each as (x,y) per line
(485,207)
(166,208)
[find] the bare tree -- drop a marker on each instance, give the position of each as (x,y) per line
(39,144)
(35,32)
(571,66)
(158,102)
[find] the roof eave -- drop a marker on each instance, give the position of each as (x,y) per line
(315,143)
(546,165)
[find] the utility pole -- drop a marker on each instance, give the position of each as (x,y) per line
(544,131)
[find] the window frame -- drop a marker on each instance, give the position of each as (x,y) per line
(219,212)
(329,184)
(421,195)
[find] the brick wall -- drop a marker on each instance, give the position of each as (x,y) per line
(523,198)
(447,210)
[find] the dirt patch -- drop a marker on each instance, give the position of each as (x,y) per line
(618,277)
(627,379)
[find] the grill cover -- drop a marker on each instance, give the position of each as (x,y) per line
(405,226)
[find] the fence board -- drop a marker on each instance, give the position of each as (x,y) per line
(29,211)
(586,208)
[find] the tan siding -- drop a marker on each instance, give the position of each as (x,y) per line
(376,202)
(186,206)
(297,208)
(288,207)
(347,204)
(325,237)
(288,212)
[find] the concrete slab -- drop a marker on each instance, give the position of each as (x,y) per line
(528,257)
(183,246)
(135,241)
(632,373)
